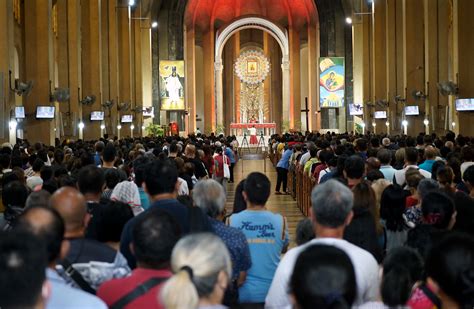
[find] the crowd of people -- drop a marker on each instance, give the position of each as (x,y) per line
(143,223)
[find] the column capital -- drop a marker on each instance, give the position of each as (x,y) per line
(285,63)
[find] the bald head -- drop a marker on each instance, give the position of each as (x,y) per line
(71,205)
(373,164)
(46,223)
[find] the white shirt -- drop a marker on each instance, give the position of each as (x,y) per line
(304,158)
(253,131)
(400,175)
(464,166)
(365,267)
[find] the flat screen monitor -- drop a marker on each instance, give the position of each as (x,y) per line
(45,112)
(19,112)
(148,111)
(97,116)
(380,115)
(356,109)
(412,110)
(465,105)
(127,118)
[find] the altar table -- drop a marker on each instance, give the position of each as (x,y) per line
(266,128)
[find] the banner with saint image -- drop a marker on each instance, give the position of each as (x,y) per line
(331,82)
(172,85)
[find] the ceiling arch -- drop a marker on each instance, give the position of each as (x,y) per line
(206,14)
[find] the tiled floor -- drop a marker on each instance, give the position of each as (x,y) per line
(283,204)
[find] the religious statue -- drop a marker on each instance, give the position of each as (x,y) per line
(173,86)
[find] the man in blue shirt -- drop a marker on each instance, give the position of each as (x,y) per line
(282,170)
(139,169)
(430,155)
(385,157)
(267,236)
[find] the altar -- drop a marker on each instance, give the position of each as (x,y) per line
(239,129)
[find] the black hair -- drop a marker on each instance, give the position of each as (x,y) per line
(46,173)
(90,179)
(257,188)
(112,178)
(373,175)
(361,144)
(304,231)
(411,154)
(155,234)
(392,207)
(59,171)
(239,201)
(22,269)
(4,160)
(14,194)
(435,167)
(37,165)
(110,153)
(323,277)
(112,217)
(52,233)
(468,175)
(451,264)
(438,209)
(139,169)
(354,167)
(161,177)
(402,268)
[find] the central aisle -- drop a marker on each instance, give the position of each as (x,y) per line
(283,204)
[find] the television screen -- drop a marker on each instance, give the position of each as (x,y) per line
(127,118)
(380,115)
(463,105)
(45,112)
(148,111)
(97,116)
(412,110)
(356,109)
(19,112)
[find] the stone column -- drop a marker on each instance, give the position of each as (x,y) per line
(295,83)
(285,66)
(379,61)
(137,80)
(6,63)
(209,89)
(391,67)
(236,43)
(91,63)
(146,65)
(111,75)
(463,62)
(124,62)
(218,67)
(267,84)
(38,56)
(413,60)
(190,48)
(313,79)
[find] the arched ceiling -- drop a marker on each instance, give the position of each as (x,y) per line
(204,14)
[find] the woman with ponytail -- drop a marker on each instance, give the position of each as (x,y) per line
(202,268)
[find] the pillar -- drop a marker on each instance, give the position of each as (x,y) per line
(190,48)
(124,63)
(267,84)
(463,63)
(209,95)
(391,67)
(146,65)
(414,60)
(295,80)
(6,64)
(69,57)
(313,80)
(379,61)
(38,56)
(136,47)
(90,64)
(236,43)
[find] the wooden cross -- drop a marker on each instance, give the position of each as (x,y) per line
(306,111)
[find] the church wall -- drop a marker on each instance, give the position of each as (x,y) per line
(304,73)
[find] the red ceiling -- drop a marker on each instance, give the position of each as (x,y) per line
(204,14)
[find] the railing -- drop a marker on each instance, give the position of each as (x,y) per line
(300,186)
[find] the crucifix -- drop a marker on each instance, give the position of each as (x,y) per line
(306,111)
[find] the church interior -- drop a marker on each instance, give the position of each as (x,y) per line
(81,69)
